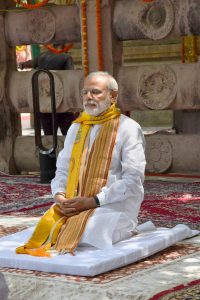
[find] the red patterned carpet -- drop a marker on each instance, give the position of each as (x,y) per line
(165,203)
(190,291)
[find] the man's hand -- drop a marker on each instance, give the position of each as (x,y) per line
(71,207)
(60,201)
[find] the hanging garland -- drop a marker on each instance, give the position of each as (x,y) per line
(99,35)
(84,37)
(32,6)
(59,51)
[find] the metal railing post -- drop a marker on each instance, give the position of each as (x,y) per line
(47,157)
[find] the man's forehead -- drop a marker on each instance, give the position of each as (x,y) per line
(96,81)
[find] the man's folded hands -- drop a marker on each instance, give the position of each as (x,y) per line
(71,207)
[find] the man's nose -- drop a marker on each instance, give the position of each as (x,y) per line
(89,94)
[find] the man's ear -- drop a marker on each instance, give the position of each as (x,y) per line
(114,95)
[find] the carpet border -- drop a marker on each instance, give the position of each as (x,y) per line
(174,289)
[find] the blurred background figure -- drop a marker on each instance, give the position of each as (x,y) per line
(49,60)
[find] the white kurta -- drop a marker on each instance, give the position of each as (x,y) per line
(122,196)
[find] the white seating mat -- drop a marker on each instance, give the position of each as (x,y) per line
(90,261)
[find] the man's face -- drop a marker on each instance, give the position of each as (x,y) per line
(96,96)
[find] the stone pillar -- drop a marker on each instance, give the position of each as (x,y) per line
(10,126)
(67,91)
(170,86)
(57,24)
(159,19)
(111,47)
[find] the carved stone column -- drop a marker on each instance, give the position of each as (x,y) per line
(173,153)
(9,120)
(67,90)
(170,86)
(164,153)
(159,19)
(111,47)
(56,24)
(26,153)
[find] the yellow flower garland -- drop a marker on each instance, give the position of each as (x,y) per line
(84,37)
(189,49)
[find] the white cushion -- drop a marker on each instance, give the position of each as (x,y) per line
(90,261)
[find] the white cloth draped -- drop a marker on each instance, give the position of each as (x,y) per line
(122,196)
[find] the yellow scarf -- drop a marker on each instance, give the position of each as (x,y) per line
(48,231)
(86,121)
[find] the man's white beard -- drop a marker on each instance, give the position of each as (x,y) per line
(99,106)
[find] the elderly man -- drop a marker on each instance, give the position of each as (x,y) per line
(98,187)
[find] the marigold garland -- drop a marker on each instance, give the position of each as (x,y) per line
(99,35)
(59,51)
(189,49)
(84,37)
(32,6)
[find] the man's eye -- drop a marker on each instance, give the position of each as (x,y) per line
(96,91)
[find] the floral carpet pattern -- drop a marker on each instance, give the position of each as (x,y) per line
(165,203)
(190,291)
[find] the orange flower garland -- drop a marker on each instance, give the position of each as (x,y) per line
(32,6)
(99,35)
(84,37)
(56,51)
